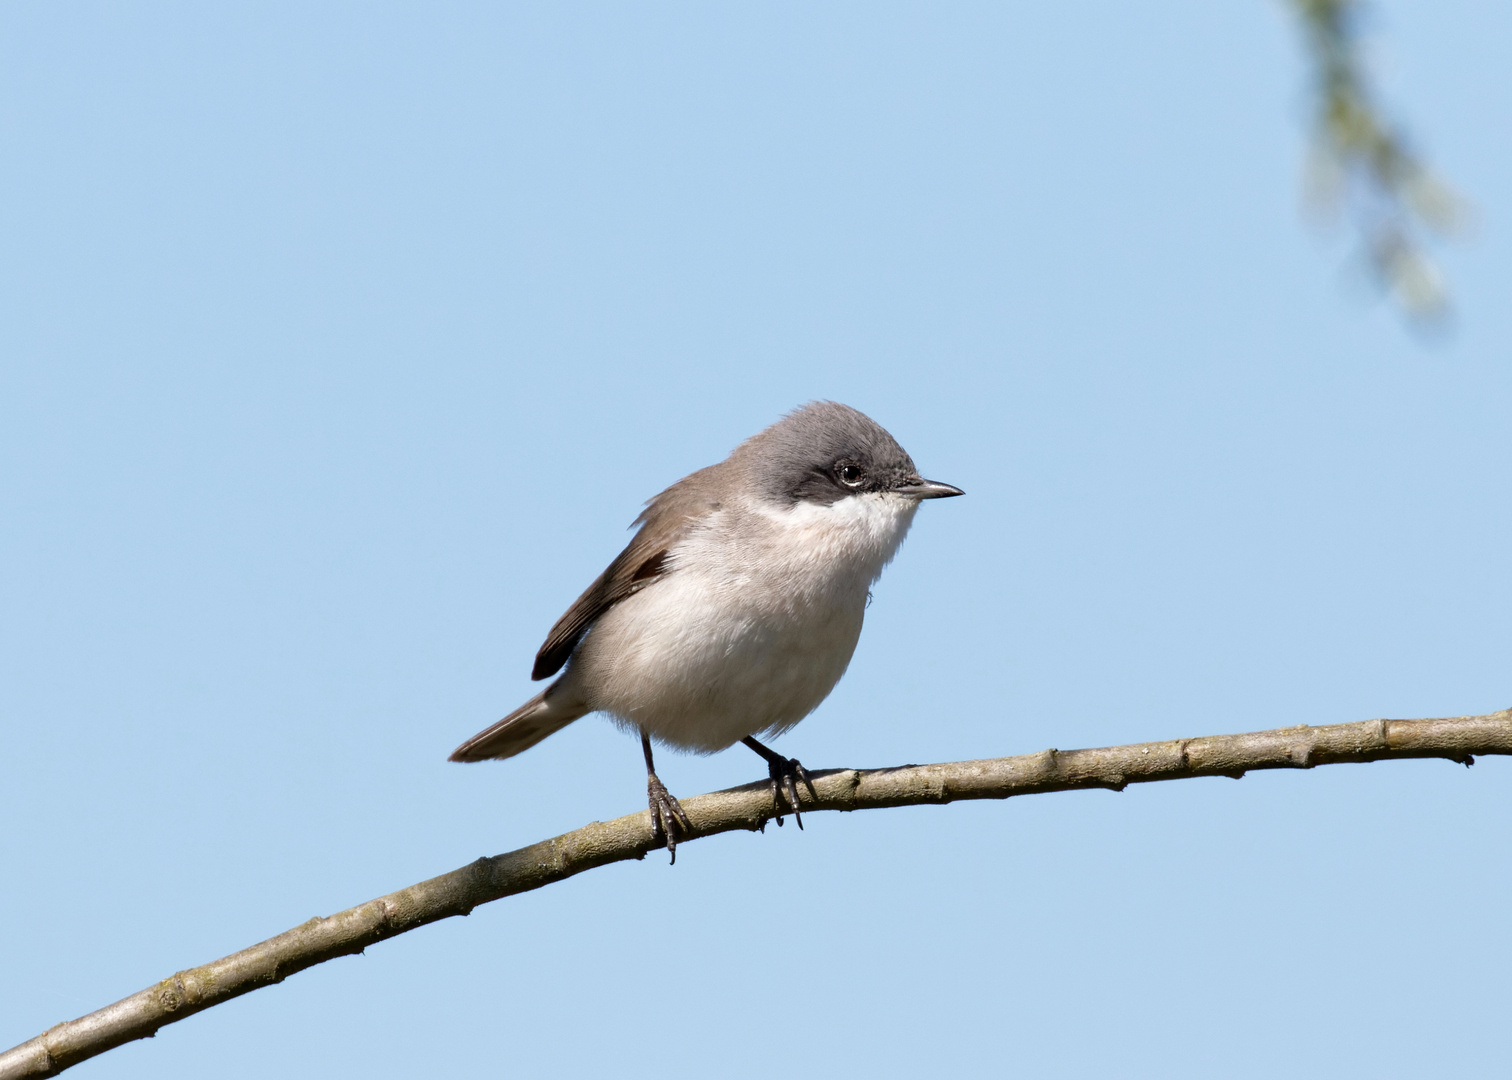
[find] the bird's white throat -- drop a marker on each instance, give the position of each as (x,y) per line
(854,537)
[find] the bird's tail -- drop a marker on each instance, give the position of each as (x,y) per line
(543,715)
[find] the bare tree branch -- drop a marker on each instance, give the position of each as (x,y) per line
(749,807)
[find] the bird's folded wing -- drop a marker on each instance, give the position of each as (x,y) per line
(665,521)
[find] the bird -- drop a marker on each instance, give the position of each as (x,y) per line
(736,606)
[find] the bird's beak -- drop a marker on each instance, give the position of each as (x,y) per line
(920,488)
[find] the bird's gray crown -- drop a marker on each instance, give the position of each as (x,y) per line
(823,452)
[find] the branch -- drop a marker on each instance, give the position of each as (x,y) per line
(1362,158)
(750,807)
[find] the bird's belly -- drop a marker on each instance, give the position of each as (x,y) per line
(700,664)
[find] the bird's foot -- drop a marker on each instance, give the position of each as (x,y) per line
(668,821)
(785,774)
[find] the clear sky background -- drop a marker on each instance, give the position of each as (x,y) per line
(339,343)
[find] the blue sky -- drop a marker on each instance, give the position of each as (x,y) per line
(341,342)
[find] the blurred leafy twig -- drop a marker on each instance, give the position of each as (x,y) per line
(1363,162)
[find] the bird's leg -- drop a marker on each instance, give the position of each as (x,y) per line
(785,774)
(667,817)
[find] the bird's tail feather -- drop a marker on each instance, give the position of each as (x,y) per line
(539,717)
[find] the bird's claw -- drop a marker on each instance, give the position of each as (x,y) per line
(785,774)
(668,820)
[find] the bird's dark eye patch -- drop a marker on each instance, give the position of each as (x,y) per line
(850,474)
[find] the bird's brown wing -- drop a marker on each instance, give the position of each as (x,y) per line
(666,520)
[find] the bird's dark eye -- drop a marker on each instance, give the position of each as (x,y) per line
(851,475)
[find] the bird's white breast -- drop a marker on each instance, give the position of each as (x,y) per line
(752,625)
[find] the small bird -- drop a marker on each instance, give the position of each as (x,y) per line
(736,606)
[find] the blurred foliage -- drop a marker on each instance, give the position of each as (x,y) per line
(1362,164)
